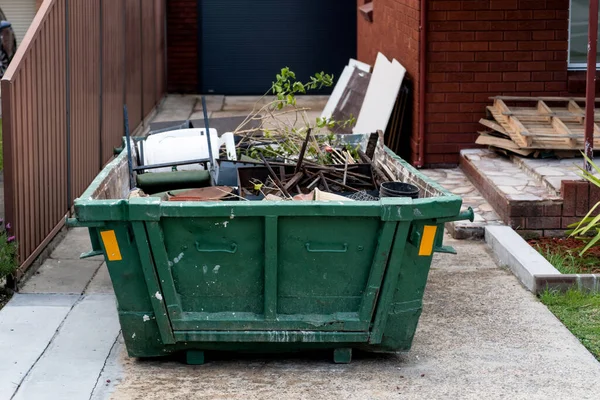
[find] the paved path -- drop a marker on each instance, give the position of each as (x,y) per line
(481,336)
(57,333)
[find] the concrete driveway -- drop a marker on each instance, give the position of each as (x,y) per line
(481,336)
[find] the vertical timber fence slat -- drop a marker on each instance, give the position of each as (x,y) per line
(62,99)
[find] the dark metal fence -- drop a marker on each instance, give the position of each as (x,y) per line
(62,105)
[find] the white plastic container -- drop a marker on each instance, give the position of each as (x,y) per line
(184,145)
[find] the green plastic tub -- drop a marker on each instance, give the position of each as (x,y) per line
(267,276)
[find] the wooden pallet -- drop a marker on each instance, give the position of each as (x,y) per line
(537,125)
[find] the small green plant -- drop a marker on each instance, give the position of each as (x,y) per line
(284,125)
(8,251)
(286,87)
(564,262)
(588,229)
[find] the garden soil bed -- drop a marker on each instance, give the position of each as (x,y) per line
(563,253)
(4,297)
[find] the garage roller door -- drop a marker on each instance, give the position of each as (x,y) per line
(243,44)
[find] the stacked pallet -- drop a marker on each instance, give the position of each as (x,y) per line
(536,125)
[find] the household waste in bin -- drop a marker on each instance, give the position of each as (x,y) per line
(261,251)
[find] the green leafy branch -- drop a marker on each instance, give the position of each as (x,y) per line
(282,125)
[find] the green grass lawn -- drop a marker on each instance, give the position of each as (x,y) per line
(580,312)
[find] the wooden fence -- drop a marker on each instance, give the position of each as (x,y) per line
(62,105)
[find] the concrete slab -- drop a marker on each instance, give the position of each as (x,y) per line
(229,124)
(511,250)
(70,367)
(179,102)
(228,114)
(244,103)
(76,242)
(315,103)
(297,120)
(173,115)
(199,115)
(481,335)
(27,324)
(213,102)
(101,282)
(112,373)
(62,276)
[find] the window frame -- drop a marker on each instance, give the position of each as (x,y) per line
(571,66)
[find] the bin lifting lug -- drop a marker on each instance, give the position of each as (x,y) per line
(468,214)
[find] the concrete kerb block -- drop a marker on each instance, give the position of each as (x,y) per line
(512,250)
(589,282)
(530,267)
(564,282)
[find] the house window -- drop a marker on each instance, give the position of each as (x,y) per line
(578,34)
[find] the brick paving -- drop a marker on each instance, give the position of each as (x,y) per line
(455,181)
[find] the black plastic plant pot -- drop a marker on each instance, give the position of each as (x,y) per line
(399,189)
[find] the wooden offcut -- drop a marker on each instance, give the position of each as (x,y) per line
(537,123)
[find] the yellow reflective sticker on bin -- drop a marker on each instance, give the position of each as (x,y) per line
(426,248)
(113,253)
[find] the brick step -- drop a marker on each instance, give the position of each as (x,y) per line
(520,198)
(551,172)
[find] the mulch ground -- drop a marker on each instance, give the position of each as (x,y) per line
(4,297)
(589,263)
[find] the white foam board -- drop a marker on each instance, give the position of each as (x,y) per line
(341,84)
(381,95)
(359,64)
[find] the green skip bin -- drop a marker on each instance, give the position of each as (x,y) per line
(267,276)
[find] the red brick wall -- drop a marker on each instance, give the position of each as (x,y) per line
(483,48)
(182,46)
(395,33)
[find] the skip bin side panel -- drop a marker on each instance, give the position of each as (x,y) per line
(324,263)
(121,246)
(216,264)
(126,274)
(271,273)
(406,305)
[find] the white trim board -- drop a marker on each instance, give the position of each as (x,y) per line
(381,96)
(359,64)
(337,93)
(341,84)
